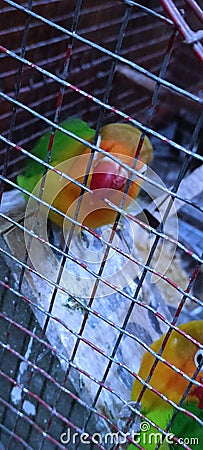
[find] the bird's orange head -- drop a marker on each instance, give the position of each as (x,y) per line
(186,355)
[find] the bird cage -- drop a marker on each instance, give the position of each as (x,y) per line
(82,304)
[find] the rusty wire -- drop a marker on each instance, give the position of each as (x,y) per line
(145,127)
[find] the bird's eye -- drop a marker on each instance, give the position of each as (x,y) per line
(198,358)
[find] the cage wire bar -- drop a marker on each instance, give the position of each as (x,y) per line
(47,390)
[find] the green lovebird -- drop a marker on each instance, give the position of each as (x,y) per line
(186,356)
(106,178)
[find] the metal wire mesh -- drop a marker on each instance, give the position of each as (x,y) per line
(61,348)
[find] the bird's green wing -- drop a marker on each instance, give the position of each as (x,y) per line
(64,147)
(188,429)
(183,427)
(149,436)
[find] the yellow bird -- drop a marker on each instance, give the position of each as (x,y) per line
(187,356)
(106,179)
(183,354)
